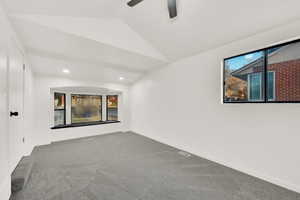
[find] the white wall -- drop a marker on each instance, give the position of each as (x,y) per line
(181,105)
(43,119)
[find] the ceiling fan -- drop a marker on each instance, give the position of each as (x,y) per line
(171,6)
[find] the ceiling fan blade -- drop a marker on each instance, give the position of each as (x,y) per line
(134,2)
(172,8)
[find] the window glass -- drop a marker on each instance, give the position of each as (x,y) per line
(284,63)
(59,117)
(271,86)
(59,109)
(86,108)
(59,101)
(255,86)
(243,80)
(112,108)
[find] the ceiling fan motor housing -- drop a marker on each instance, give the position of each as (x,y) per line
(172,6)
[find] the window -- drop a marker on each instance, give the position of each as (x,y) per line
(59,109)
(112,108)
(86,108)
(267,75)
(243,78)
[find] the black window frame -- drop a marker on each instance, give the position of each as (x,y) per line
(64,109)
(107,107)
(265,75)
(101,113)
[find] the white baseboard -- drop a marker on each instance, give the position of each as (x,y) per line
(5,188)
(251,172)
(29,151)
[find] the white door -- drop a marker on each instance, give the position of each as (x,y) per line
(16,95)
(3,116)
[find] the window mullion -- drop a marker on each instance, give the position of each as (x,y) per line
(265,76)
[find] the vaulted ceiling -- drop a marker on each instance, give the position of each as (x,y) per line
(108,38)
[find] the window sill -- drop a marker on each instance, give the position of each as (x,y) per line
(84,124)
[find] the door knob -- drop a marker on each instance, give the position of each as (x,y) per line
(14,114)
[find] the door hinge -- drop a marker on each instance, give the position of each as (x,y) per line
(23,140)
(24,67)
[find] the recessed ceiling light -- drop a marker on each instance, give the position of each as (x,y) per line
(121,78)
(66,71)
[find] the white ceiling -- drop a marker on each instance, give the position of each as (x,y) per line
(76,8)
(107,34)
(81,70)
(113,32)
(205,24)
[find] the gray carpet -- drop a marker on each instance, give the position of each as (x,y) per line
(126,166)
(21,174)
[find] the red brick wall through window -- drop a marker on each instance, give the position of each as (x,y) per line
(287,80)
